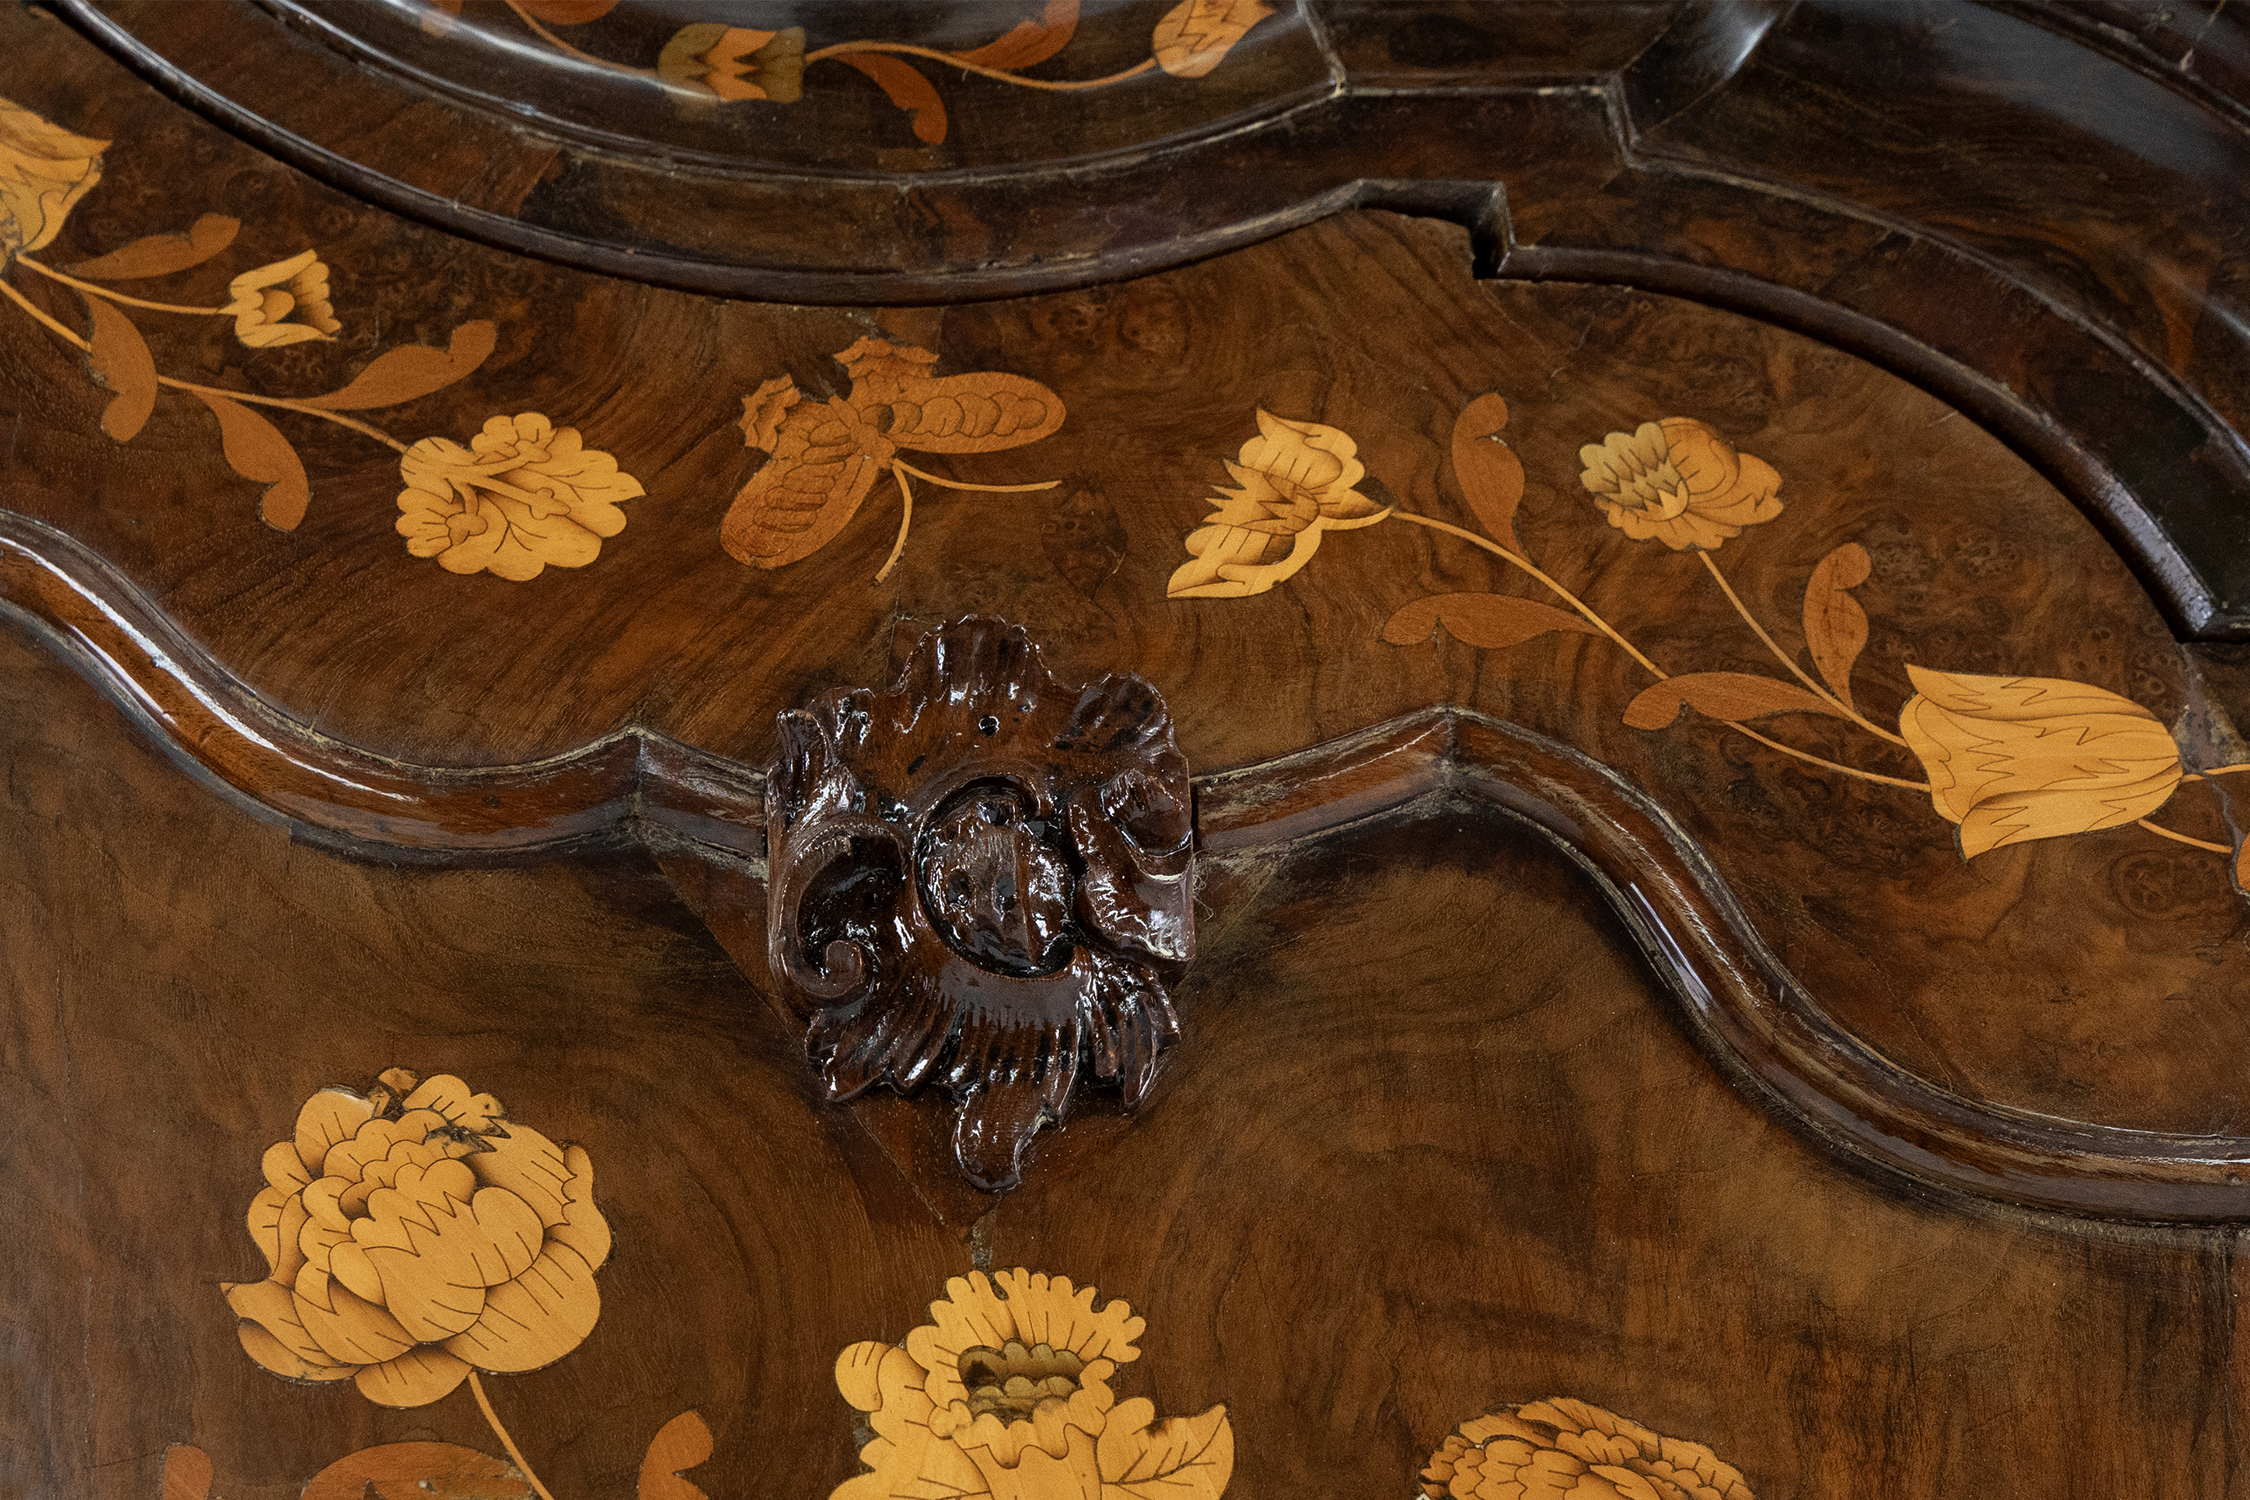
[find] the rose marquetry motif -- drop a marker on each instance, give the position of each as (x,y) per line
(415,1236)
(982,879)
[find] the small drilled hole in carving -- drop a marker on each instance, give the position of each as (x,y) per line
(988,726)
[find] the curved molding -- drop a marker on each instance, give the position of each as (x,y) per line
(1749,1012)
(1598,192)
(1287,183)
(234,741)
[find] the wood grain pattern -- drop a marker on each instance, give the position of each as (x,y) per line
(1756,478)
(1654,1244)
(1838,1084)
(2003,539)
(2048,323)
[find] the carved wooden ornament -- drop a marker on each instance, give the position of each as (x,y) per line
(982,879)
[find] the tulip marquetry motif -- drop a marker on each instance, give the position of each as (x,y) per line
(982,880)
(2007,760)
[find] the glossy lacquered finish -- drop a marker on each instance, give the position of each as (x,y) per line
(1691,551)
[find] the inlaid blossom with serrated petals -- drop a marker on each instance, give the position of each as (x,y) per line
(1295,481)
(524,494)
(414,1233)
(1679,482)
(1005,1392)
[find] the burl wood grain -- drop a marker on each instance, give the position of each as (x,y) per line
(1440,1145)
(2099,977)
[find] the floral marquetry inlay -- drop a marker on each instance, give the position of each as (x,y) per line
(527,494)
(1561,1449)
(1006,1392)
(707,63)
(523,494)
(2007,759)
(415,1236)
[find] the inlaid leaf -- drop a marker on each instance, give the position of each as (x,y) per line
(1835,625)
(418,1471)
(162,254)
(2242,868)
(1178,1458)
(120,362)
(1029,41)
(413,371)
(980,413)
(681,1443)
(187,1473)
(908,89)
(1195,35)
(1490,621)
(1488,471)
(1731,696)
(256,450)
(567,12)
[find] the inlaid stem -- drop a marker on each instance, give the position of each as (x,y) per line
(285,404)
(562,46)
(1786,659)
(905,519)
(338,418)
(1585,610)
(1063,86)
(490,1416)
(990,489)
(1517,559)
(2181,838)
(102,291)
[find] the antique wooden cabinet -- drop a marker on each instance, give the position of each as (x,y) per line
(1129,749)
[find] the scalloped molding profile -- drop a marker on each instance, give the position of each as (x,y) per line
(1773,1039)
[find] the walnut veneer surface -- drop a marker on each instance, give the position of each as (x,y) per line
(1525,714)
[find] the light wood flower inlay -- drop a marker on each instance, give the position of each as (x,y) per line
(1296,480)
(1680,482)
(2011,759)
(414,1234)
(524,493)
(44,171)
(284,303)
(1005,1392)
(1561,1449)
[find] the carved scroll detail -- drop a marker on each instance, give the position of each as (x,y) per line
(982,879)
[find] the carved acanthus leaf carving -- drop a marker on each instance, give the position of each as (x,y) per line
(982,879)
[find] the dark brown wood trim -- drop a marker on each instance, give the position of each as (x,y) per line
(632,786)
